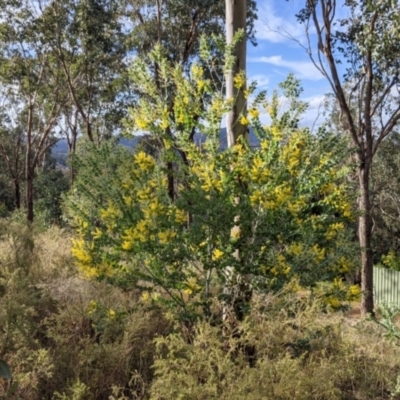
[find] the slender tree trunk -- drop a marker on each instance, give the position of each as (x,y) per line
(236,11)
(171,181)
(364,237)
(29,194)
(17,194)
(28,170)
(71,153)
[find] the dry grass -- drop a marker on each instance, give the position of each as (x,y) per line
(69,338)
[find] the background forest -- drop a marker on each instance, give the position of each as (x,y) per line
(170,231)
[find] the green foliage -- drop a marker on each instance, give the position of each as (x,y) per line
(77,391)
(386,318)
(293,209)
(386,190)
(50,184)
(196,17)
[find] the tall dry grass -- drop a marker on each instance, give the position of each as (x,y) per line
(67,338)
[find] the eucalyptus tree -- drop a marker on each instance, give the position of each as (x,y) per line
(178,24)
(12,145)
(87,41)
(385,179)
(365,45)
(30,75)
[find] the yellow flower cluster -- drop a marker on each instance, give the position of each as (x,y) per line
(166,236)
(244,120)
(82,251)
(197,71)
(217,254)
(239,80)
(292,153)
(111,212)
(141,233)
(210,178)
(336,197)
(318,253)
(191,286)
(344,265)
(333,230)
(296,205)
(282,267)
(144,161)
(295,249)
(259,172)
(283,193)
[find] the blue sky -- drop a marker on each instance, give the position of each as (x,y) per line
(276,55)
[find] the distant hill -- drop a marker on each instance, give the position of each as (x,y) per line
(60,149)
(253,140)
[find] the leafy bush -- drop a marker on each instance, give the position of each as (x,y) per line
(290,220)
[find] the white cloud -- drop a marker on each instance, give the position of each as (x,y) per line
(303,69)
(315,103)
(262,80)
(275,28)
(313,117)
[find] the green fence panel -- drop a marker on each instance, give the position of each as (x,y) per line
(386,286)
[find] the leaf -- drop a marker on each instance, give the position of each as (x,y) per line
(5,371)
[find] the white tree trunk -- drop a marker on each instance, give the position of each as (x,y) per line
(236,19)
(237,287)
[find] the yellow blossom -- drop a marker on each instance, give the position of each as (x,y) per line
(97,233)
(333,301)
(264,145)
(166,236)
(141,123)
(201,84)
(197,71)
(344,265)
(239,80)
(333,230)
(145,296)
(217,254)
(244,120)
(319,253)
(355,290)
(191,286)
(254,113)
(276,133)
(126,245)
(92,307)
(296,249)
(144,161)
(181,216)
(80,251)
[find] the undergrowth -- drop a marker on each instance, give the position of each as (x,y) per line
(65,337)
